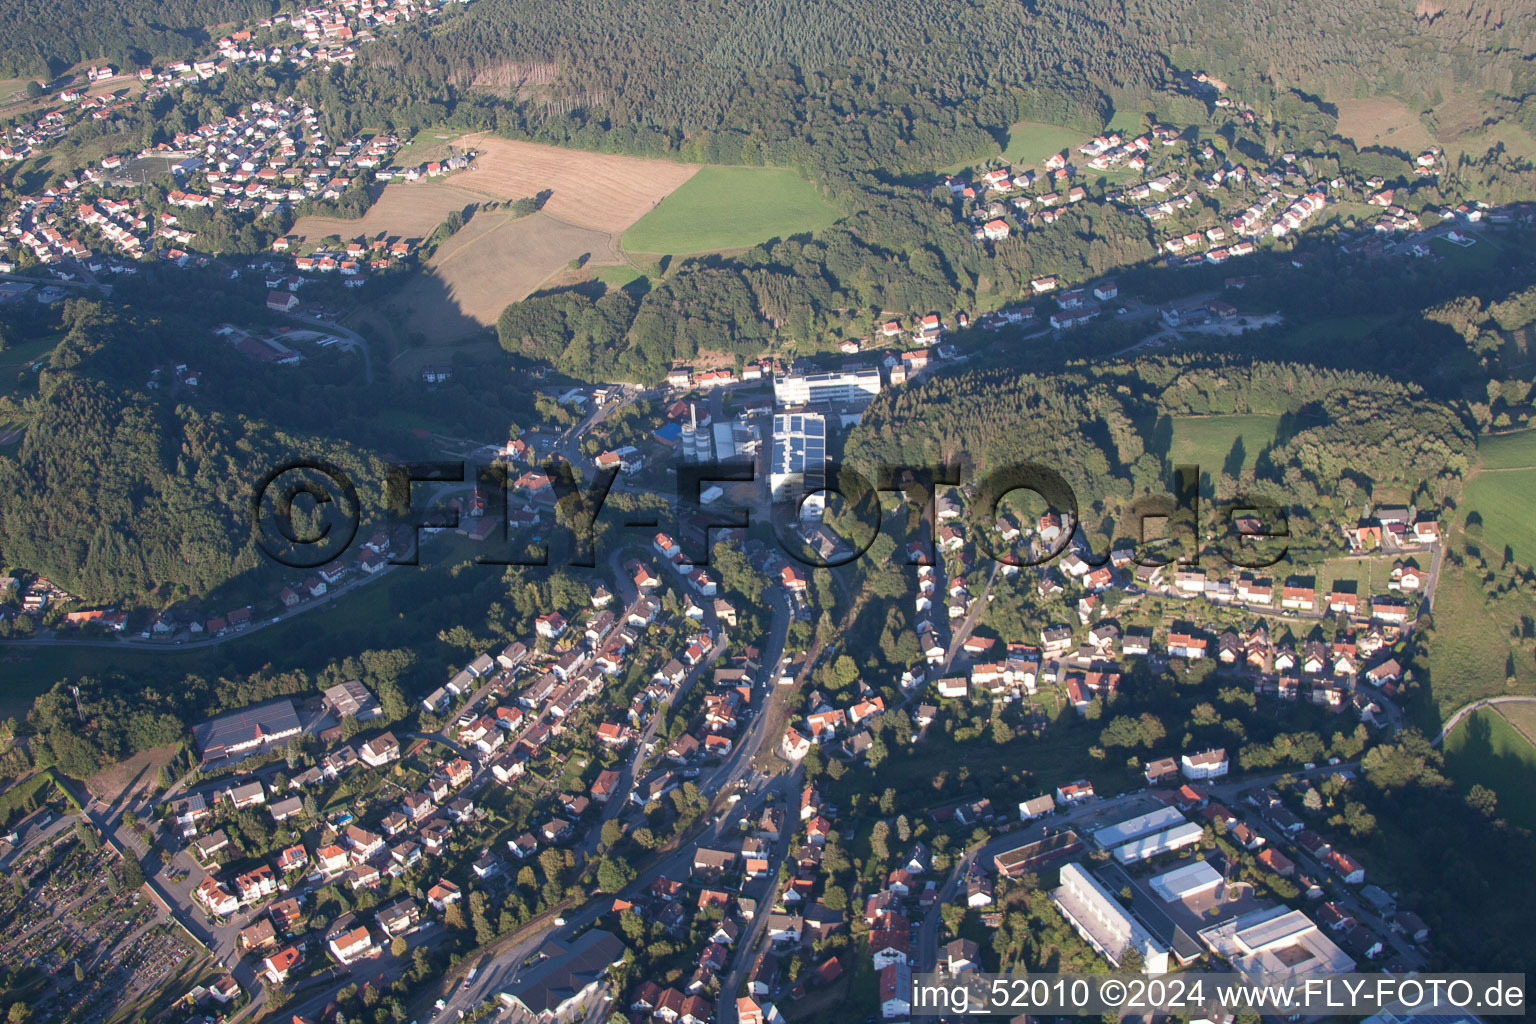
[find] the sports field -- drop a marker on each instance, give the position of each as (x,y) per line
(731,208)
(1487,749)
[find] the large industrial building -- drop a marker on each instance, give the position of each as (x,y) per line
(836,387)
(1193,879)
(1134,828)
(799,461)
(1167,840)
(246,731)
(1276,944)
(1102,922)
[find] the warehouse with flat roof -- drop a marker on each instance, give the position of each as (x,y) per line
(798,465)
(1181,883)
(1276,944)
(246,731)
(1167,840)
(1102,922)
(1111,836)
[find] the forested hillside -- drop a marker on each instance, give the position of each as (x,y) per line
(118,494)
(41,39)
(902,253)
(907,85)
(1107,432)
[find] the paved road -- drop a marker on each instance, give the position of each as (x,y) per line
(57,282)
(141,645)
(496,973)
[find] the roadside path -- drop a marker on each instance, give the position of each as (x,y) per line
(1476,705)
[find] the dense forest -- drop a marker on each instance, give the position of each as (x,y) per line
(43,39)
(119,493)
(907,86)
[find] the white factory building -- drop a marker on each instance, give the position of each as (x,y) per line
(1276,944)
(1134,828)
(798,461)
(1166,841)
(1182,883)
(835,387)
(1102,922)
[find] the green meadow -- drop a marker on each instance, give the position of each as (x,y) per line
(731,208)
(1501,495)
(1207,441)
(1485,749)
(1030,142)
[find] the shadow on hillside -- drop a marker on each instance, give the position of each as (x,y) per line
(1476,762)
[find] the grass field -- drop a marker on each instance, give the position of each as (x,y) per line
(428,144)
(1460,121)
(589,200)
(1370,573)
(1522,717)
(1339,330)
(1517,142)
(11,89)
(1484,255)
(729,208)
(1030,142)
(42,787)
(408,212)
(1208,441)
(494,261)
(1127,122)
(1382,121)
(620,276)
(1514,450)
(1470,652)
(19,358)
(1500,492)
(1487,749)
(30,671)
(1503,499)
